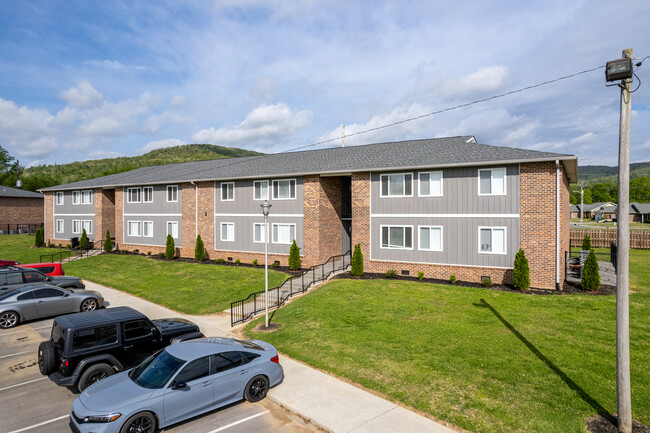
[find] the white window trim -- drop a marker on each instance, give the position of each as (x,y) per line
(263,237)
(267,190)
(381,194)
(128,195)
(233,191)
(174,223)
(420,238)
(91,226)
(284,224)
(167,193)
(295,183)
(442,183)
(505,240)
(505,180)
(59,195)
(128,229)
(90,195)
(381,243)
(62,226)
(142,192)
(78,227)
(221,231)
(150,235)
(76,194)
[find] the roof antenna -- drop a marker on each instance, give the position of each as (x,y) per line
(343,135)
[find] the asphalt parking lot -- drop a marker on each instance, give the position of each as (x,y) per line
(30,402)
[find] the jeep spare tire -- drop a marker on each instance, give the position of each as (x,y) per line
(46,357)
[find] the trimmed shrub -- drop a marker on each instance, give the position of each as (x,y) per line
(83,242)
(275,264)
(108,245)
(238,262)
(254,262)
(420,276)
(199,249)
(357,262)
(148,253)
(60,245)
(161,255)
(170,250)
(586,243)
(591,274)
(391,273)
(521,273)
(220,261)
(486,282)
(39,237)
(294,256)
(452,279)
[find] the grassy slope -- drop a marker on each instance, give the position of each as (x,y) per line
(185,287)
(20,248)
(487,361)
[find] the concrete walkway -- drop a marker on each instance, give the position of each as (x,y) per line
(330,403)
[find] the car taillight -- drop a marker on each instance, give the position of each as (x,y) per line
(275,359)
(64,363)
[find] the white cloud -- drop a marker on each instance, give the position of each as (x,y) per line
(178,101)
(82,96)
(263,125)
(484,80)
(114,64)
(153,145)
(101,154)
(39,147)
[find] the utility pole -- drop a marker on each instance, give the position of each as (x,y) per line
(623,392)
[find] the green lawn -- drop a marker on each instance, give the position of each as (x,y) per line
(189,288)
(608,225)
(21,248)
(484,360)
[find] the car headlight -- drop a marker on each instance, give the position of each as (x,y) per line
(81,282)
(102,418)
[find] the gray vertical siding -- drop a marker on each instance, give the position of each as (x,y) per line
(159,204)
(245,203)
(160,211)
(159,237)
(244,234)
(69,212)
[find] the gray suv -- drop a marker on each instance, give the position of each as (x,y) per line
(12,277)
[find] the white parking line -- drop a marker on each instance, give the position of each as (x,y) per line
(40,424)
(234,423)
(22,383)
(15,354)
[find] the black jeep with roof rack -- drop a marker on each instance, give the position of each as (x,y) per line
(86,347)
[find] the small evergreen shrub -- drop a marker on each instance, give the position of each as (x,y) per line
(521,273)
(357,262)
(220,261)
(124,252)
(68,246)
(294,256)
(238,262)
(161,255)
(275,264)
(586,243)
(50,245)
(591,274)
(420,276)
(199,249)
(254,262)
(486,282)
(391,273)
(136,251)
(170,250)
(39,237)
(148,253)
(83,242)
(452,279)
(108,245)
(60,245)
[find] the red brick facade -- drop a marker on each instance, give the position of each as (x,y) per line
(322,236)
(104,213)
(19,210)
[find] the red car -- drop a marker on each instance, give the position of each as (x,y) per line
(8,262)
(51,269)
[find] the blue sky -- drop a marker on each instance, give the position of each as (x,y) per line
(87,80)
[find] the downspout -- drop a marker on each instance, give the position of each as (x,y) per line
(196,209)
(557,225)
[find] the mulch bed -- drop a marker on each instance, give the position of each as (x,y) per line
(605,423)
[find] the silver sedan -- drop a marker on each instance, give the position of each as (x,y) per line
(42,300)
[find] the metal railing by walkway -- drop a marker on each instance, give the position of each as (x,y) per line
(255,303)
(95,248)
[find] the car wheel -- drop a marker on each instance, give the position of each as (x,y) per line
(93,374)
(256,389)
(9,319)
(89,304)
(46,357)
(143,422)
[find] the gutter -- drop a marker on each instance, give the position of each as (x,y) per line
(557,224)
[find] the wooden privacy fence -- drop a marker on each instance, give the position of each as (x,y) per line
(600,238)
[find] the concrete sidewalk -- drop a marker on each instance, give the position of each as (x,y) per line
(330,403)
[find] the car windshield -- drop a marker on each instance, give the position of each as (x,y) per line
(4,294)
(156,370)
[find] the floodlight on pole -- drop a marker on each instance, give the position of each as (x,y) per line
(620,69)
(266,209)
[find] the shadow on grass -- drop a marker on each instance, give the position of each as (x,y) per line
(566,379)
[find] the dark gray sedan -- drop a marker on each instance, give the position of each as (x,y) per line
(42,300)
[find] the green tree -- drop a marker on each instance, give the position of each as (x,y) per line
(586,243)
(83,242)
(170,250)
(294,256)
(39,238)
(357,261)
(521,274)
(590,273)
(602,192)
(640,189)
(108,244)
(199,249)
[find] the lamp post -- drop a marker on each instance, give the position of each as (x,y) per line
(266,208)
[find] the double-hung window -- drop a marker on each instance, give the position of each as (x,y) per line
(172,229)
(431,184)
(133,195)
(133,228)
(492,181)
(147,194)
(227,191)
(59,198)
(172,193)
(259,233)
(147,229)
(430,238)
(397,237)
(59,226)
(87,225)
(75,197)
(261,190)
(492,240)
(284,233)
(284,189)
(86,197)
(397,185)
(228,232)
(76,226)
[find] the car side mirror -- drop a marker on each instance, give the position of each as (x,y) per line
(179,385)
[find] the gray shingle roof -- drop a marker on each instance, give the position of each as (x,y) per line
(412,154)
(6,191)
